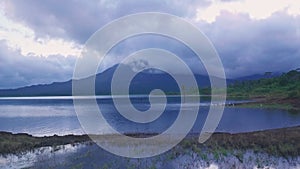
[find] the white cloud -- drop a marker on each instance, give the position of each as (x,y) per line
(20,37)
(256,9)
(18,70)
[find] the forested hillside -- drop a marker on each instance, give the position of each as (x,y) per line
(285,86)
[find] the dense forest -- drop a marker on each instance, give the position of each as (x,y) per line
(286,85)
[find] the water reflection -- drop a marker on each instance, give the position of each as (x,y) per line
(49,116)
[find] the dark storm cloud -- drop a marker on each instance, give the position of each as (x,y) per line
(71,20)
(255,46)
(17,70)
(145,41)
(246,46)
(80,19)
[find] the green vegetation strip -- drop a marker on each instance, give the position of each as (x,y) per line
(286,86)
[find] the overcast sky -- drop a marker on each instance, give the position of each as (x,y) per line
(40,40)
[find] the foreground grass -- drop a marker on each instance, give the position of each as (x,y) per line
(279,142)
(17,143)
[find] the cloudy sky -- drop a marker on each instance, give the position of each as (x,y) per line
(40,40)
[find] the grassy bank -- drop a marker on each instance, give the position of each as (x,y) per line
(279,142)
(17,143)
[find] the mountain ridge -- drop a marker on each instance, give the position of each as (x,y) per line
(142,83)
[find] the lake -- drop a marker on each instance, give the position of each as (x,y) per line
(44,116)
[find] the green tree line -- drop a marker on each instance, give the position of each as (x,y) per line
(286,85)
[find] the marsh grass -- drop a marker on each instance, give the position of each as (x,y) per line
(277,142)
(18,143)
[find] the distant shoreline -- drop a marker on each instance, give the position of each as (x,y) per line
(279,142)
(260,102)
(291,104)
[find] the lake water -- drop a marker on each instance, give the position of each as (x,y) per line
(42,116)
